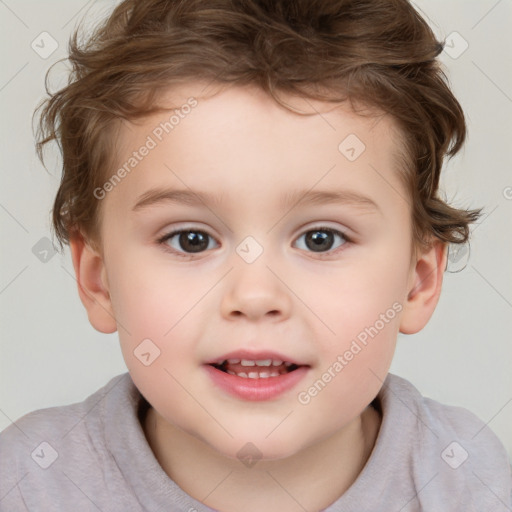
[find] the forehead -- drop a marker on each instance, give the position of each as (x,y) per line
(237,141)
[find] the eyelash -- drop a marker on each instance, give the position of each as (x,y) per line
(168,236)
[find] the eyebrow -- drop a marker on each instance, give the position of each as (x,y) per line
(155,197)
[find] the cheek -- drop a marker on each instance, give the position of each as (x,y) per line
(150,297)
(353,367)
(157,338)
(142,304)
(362,305)
(153,309)
(356,297)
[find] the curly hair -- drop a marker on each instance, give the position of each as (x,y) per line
(377,53)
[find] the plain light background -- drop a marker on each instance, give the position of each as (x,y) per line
(49,353)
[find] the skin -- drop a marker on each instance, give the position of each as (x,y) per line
(309,305)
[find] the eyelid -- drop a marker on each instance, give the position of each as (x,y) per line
(186,227)
(323,225)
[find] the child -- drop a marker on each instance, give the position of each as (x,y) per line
(210,150)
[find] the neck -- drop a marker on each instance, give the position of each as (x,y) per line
(311,479)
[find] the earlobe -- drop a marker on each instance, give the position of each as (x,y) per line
(425,290)
(91,277)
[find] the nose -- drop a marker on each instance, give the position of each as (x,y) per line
(254,291)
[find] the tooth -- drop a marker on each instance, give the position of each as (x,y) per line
(274,374)
(231,373)
(264,375)
(254,375)
(277,362)
(242,374)
(233,361)
(264,362)
(287,363)
(246,362)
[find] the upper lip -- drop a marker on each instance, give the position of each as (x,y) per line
(255,356)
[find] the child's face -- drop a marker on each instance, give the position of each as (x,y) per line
(291,302)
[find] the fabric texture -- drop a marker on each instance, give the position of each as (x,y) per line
(93,455)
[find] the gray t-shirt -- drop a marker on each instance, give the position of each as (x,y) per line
(93,456)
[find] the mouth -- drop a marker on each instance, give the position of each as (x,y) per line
(251,376)
(255,368)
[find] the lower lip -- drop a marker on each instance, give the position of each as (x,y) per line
(256,389)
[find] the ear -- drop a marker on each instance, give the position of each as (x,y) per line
(92,283)
(427,279)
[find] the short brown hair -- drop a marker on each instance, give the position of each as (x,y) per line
(378,53)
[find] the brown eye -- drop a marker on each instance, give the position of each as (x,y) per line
(322,239)
(187,241)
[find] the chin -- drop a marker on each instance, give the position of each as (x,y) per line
(257,448)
